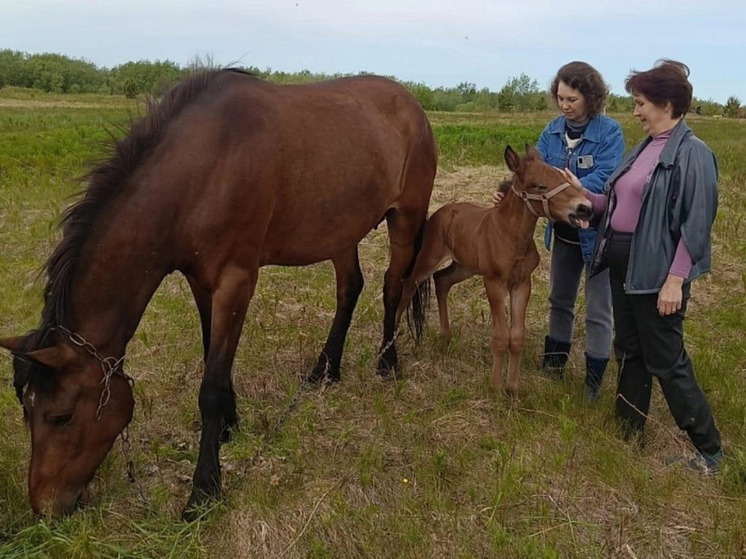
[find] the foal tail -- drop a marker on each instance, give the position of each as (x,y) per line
(417,308)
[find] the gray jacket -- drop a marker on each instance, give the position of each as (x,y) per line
(680,200)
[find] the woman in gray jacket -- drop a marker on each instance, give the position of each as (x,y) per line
(654,238)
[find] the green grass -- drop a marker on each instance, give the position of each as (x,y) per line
(431,465)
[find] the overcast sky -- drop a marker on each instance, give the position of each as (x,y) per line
(436,42)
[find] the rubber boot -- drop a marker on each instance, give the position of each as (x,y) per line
(555,357)
(594,376)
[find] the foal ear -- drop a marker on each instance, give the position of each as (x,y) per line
(532,153)
(512,159)
(12,344)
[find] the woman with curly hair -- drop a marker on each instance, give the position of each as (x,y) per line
(591,145)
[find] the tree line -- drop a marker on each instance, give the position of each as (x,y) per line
(58,73)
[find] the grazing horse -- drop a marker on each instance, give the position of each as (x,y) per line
(227,173)
(497,243)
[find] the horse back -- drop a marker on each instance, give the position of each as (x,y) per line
(294,174)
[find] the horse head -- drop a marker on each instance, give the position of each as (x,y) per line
(545,191)
(75,404)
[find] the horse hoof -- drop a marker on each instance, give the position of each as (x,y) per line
(189,515)
(387,364)
(319,376)
(198,505)
(386,371)
(323,372)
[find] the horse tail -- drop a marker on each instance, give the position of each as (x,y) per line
(417,309)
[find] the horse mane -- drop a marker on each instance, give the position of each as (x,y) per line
(105,180)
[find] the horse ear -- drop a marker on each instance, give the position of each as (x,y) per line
(53,357)
(512,159)
(12,344)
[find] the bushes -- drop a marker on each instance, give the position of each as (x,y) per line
(135,78)
(56,73)
(53,73)
(60,74)
(733,107)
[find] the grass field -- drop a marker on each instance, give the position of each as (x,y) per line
(431,465)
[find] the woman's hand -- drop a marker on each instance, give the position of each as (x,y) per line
(502,188)
(670,295)
(571,178)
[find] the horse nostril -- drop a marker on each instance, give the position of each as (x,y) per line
(584,210)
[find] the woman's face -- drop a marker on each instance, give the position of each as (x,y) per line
(654,119)
(572,103)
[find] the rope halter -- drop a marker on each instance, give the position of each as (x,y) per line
(543,198)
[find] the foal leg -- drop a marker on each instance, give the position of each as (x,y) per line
(519,296)
(216,400)
(444,280)
(496,294)
(349,285)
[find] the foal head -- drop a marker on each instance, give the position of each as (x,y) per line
(545,191)
(74,413)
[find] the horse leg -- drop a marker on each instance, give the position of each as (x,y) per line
(430,256)
(403,228)
(349,285)
(496,294)
(444,280)
(203,299)
(519,297)
(217,402)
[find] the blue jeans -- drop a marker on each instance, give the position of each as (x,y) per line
(567,267)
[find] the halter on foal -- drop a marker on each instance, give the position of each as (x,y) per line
(497,243)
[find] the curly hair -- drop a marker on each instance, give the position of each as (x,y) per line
(667,81)
(587,80)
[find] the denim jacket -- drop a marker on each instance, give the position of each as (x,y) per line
(679,201)
(593,160)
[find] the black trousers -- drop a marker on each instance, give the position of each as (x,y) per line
(648,345)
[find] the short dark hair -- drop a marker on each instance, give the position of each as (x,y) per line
(587,80)
(667,81)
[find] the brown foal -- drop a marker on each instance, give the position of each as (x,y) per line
(497,243)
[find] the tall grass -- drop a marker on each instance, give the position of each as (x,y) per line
(431,465)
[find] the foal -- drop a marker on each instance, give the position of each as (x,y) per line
(497,243)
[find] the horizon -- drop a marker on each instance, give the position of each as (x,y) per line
(435,42)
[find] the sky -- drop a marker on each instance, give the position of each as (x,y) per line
(434,42)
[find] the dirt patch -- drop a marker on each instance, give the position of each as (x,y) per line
(467,184)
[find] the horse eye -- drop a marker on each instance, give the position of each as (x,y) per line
(60,420)
(540,188)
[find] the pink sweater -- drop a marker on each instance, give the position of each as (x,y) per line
(629,188)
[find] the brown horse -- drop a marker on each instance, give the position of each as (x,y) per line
(226,174)
(497,243)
